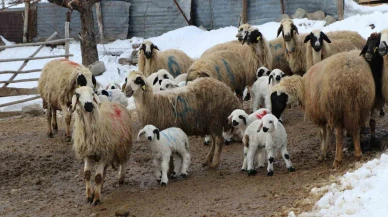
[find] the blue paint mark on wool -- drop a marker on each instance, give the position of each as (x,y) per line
(173,66)
(229,71)
(218,73)
(167,133)
(277,46)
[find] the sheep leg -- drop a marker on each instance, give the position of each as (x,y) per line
(185,164)
(54,120)
(49,115)
(357,147)
(286,158)
(121,174)
(338,149)
(324,136)
(157,171)
(372,125)
(261,158)
(165,166)
(217,153)
(98,179)
(244,166)
(87,175)
(67,116)
(251,153)
(177,165)
(210,155)
(271,159)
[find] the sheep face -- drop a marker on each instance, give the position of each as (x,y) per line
(275,76)
(262,71)
(238,118)
(254,36)
(86,79)
(168,84)
(147,47)
(150,132)
(84,99)
(279,102)
(242,32)
(135,83)
(162,74)
(268,124)
(316,38)
(112,86)
(371,47)
(383,48)
(287,28)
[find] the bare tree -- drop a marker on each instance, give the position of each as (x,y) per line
(88,42)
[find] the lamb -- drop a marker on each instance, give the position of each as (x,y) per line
(261,89)
(168,84)
(171,142)
(114,95)
(241,120)
(102,134)
(336,93)
(151,60)
(262,71)
(318,49)
(56,85)
(226,66)
(186,107)
(160,76)
(112,86)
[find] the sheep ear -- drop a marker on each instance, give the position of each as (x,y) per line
(96,99)
(230,119)
(324,36)
(156,80)
(156,131)
(293,27)
(269,79)
(74,101)
(275,123)
(364,49)
(141,132)
(260,126)
(154,46)
(280,30)
(308,38)
(244,119)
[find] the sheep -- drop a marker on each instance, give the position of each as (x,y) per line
(114,95)
(112,86)
(275,137)
(261,89)
(383,52)
(186,107)
(336,93)
(241,120)
(242,32)
(151,60)
(318,49)
(168,84)
(56,85)
(171,142)
(226,66)
(160,76)
(102,134)
(262,71)
(260,44)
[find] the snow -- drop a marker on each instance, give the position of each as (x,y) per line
(360,193)
(190,39)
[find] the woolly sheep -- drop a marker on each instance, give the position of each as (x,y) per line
(56,85)
(171,142)
(262,71)
(241,120)
(336,93)
(151,60)
(275,139)
(226,66)
(113,95)
(259,43)
(261,89)
(194,108)
(102,134)
(168,84)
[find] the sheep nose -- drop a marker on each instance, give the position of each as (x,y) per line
(278,77)
(287,37)
(317,48)
(368,56)
(88,106)
(150,138)
(234,123)
(265,129)
(148,54)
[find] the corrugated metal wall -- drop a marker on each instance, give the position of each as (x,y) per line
(52,18)
(327,6)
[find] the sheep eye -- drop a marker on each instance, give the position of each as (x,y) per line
(241,29)
(165,76)
(240,116)
(270,122)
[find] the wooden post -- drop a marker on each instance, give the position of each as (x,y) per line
(180,9)
(244,11)
(19,101)
(67,33)
(3,4)
(99,20)
(282,4)
(26,16)
(340,9)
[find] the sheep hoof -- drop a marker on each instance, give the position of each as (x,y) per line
(158,180)
(89,199)
(336,164)
(163,184)
(121,181)
(358,158)
(243,170)
(184,175)
(270,173)
(226,142)
(95,203)
(252,172)
(291,169)
(260,166)
(55,128)
(68,139)
(50,135)
(206,143)
(382,113)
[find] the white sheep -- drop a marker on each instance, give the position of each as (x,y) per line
(113,95)
(112,86)
(168,84)
(262,71)
(164,144)
(102,134)
(241,120)
(56,85)
(261,89)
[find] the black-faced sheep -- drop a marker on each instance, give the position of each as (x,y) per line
(151,60)
(171,142)
(242,32)
(336,93)
(260,44)
(186,107)
(102,134)
(56,85)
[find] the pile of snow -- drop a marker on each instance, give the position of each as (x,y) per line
(360,193)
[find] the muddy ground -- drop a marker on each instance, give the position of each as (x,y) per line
(41,177)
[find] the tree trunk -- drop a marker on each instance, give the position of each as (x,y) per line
(88,43)
(340,9)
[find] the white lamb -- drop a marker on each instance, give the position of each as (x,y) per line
(267,134)
(164,144)
(241,120)
(115,95)
(161,75)
(168,84)
(261,89)
(262,71)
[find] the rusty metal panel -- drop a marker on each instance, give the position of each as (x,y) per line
(11,25)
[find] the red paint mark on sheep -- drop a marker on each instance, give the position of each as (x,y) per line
(69,62)
(261,115)
(117,111)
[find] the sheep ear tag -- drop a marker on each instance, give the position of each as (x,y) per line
(143,87)
(258,38)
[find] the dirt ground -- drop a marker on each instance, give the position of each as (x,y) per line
(41,177)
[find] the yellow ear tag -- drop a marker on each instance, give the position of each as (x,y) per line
(258,38)
(375,49)
(78,86)
(143,87)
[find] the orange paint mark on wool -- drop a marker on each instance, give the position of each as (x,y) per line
(117,111)
(70,62)
(261,115)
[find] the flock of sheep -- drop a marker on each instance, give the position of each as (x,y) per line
(338,78)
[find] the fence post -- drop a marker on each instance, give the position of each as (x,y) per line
(67,34)
(26,16)
(99,20)
(3,5)
(340,9)
(244,11)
